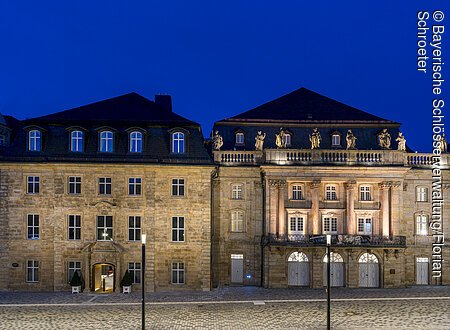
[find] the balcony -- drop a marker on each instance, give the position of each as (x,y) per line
(336,240)
(238,157)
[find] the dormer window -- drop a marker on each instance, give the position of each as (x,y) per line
(135,141)
(287,139)
(240,138)
(106,141)
(2,140)
(178,141)
(336,140)
(34,140)
(76,141)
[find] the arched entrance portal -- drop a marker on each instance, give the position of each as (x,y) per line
(103,278)
(298,269)
(369,271)
(337,269)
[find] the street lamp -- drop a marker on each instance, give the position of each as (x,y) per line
(144,239)
(328,282)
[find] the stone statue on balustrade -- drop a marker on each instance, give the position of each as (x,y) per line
(259,141)
(384,139)
(401,142)
(351,140)
(217,141)
(280,139)
(444,144)
(315,139)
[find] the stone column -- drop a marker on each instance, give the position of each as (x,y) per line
(350,223)
(385,225)
(315,207)
(273,203)
(396,208)
(281,211)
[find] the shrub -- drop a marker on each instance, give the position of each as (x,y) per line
(127,279)
(76,280)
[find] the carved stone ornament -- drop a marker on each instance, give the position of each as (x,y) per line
(385,185)
(277,183)
(315,184)
(350,184)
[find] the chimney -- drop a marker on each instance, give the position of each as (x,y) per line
(164,101)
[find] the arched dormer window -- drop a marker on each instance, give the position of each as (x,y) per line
(76,141)
(34,140)
(136,139)
(106,141)
(178,142)
(240,138)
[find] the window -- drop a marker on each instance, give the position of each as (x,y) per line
(134,186)
(74,226)
(335,140)
(296,226)
(104,186)
(135,142)
(365,193)
(239,138)
(74,185)
(76,141)
(134,228)
(32,185)
(135,270)
(33,226)
(287,139)
(297,192)
(72,267)
(236,191)
(34,140)
(329,225)
(106,141)
(32,271)
(177,272)
(177,187)
(177,229)
(365,226)
(178,143)
(421,224)
(104,228)
(2,140)
(422,194)
(330,193)
(237,221)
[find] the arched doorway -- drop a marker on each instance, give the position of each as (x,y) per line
(103,278)
(298,269)
(336,268)
(369,271)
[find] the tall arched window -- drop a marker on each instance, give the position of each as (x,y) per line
(135,141)
(106,141)
(178,143)
(76,141)
(34,140)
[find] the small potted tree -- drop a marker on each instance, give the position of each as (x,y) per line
(126,282)
(76,283)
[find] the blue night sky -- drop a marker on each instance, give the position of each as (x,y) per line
(217,59)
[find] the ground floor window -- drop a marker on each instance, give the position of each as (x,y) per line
(32,271)
(73,266)
(135,270)
(177,272)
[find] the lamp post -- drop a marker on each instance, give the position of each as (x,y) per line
(328,282)
(143,238)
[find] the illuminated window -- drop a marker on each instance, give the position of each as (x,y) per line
(287,139)
(76,141)
(335,140)
(34,140)
(239,138)
(237,221)
(106,141)
(135,142)
(178,143)
(422,194)
(421,224)
(296,225)
(236,191)
(364,226)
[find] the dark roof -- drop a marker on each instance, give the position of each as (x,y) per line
(306,106)
(126,108)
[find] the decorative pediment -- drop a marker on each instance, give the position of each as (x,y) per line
(103,246)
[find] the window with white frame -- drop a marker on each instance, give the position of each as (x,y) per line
(76,141)
(421,224)
(365,193)
(106,141)
(104,228)
(33,226)
(177,229)
(237,221)
(32,271)
(297,192)
(72,267)
(74,226)
(330,225)
(331,192)
(134,186)
(136,141)
(236,191)
(178,142)
(335,140)
(296,225)
(74,185)
(135,270)
(177,272)
(32,185)
(134,228)
(240,138)
(34,140)
(177,187)
(104,186)
(287,139)
(365,226)
(422,194)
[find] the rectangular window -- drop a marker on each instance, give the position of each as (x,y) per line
(76,141)
(177,272)
(422,194)
(34,140)
(134,228)
(422,224)
(106,141)
(134,186)
(297,192)
(239,138)
(236,192)
(296,226)
(365,193)
(32,185)
(237,221)
(178,143)
(336,140)
(73,266)
(104,228)
(104,186)
(287,140)
(365,226)
(330,193)
(177,229)
(74,185)
(32,271)
(135,270)
(33,226)
(74,226)
(329,225)
(177,187)
(135,142)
